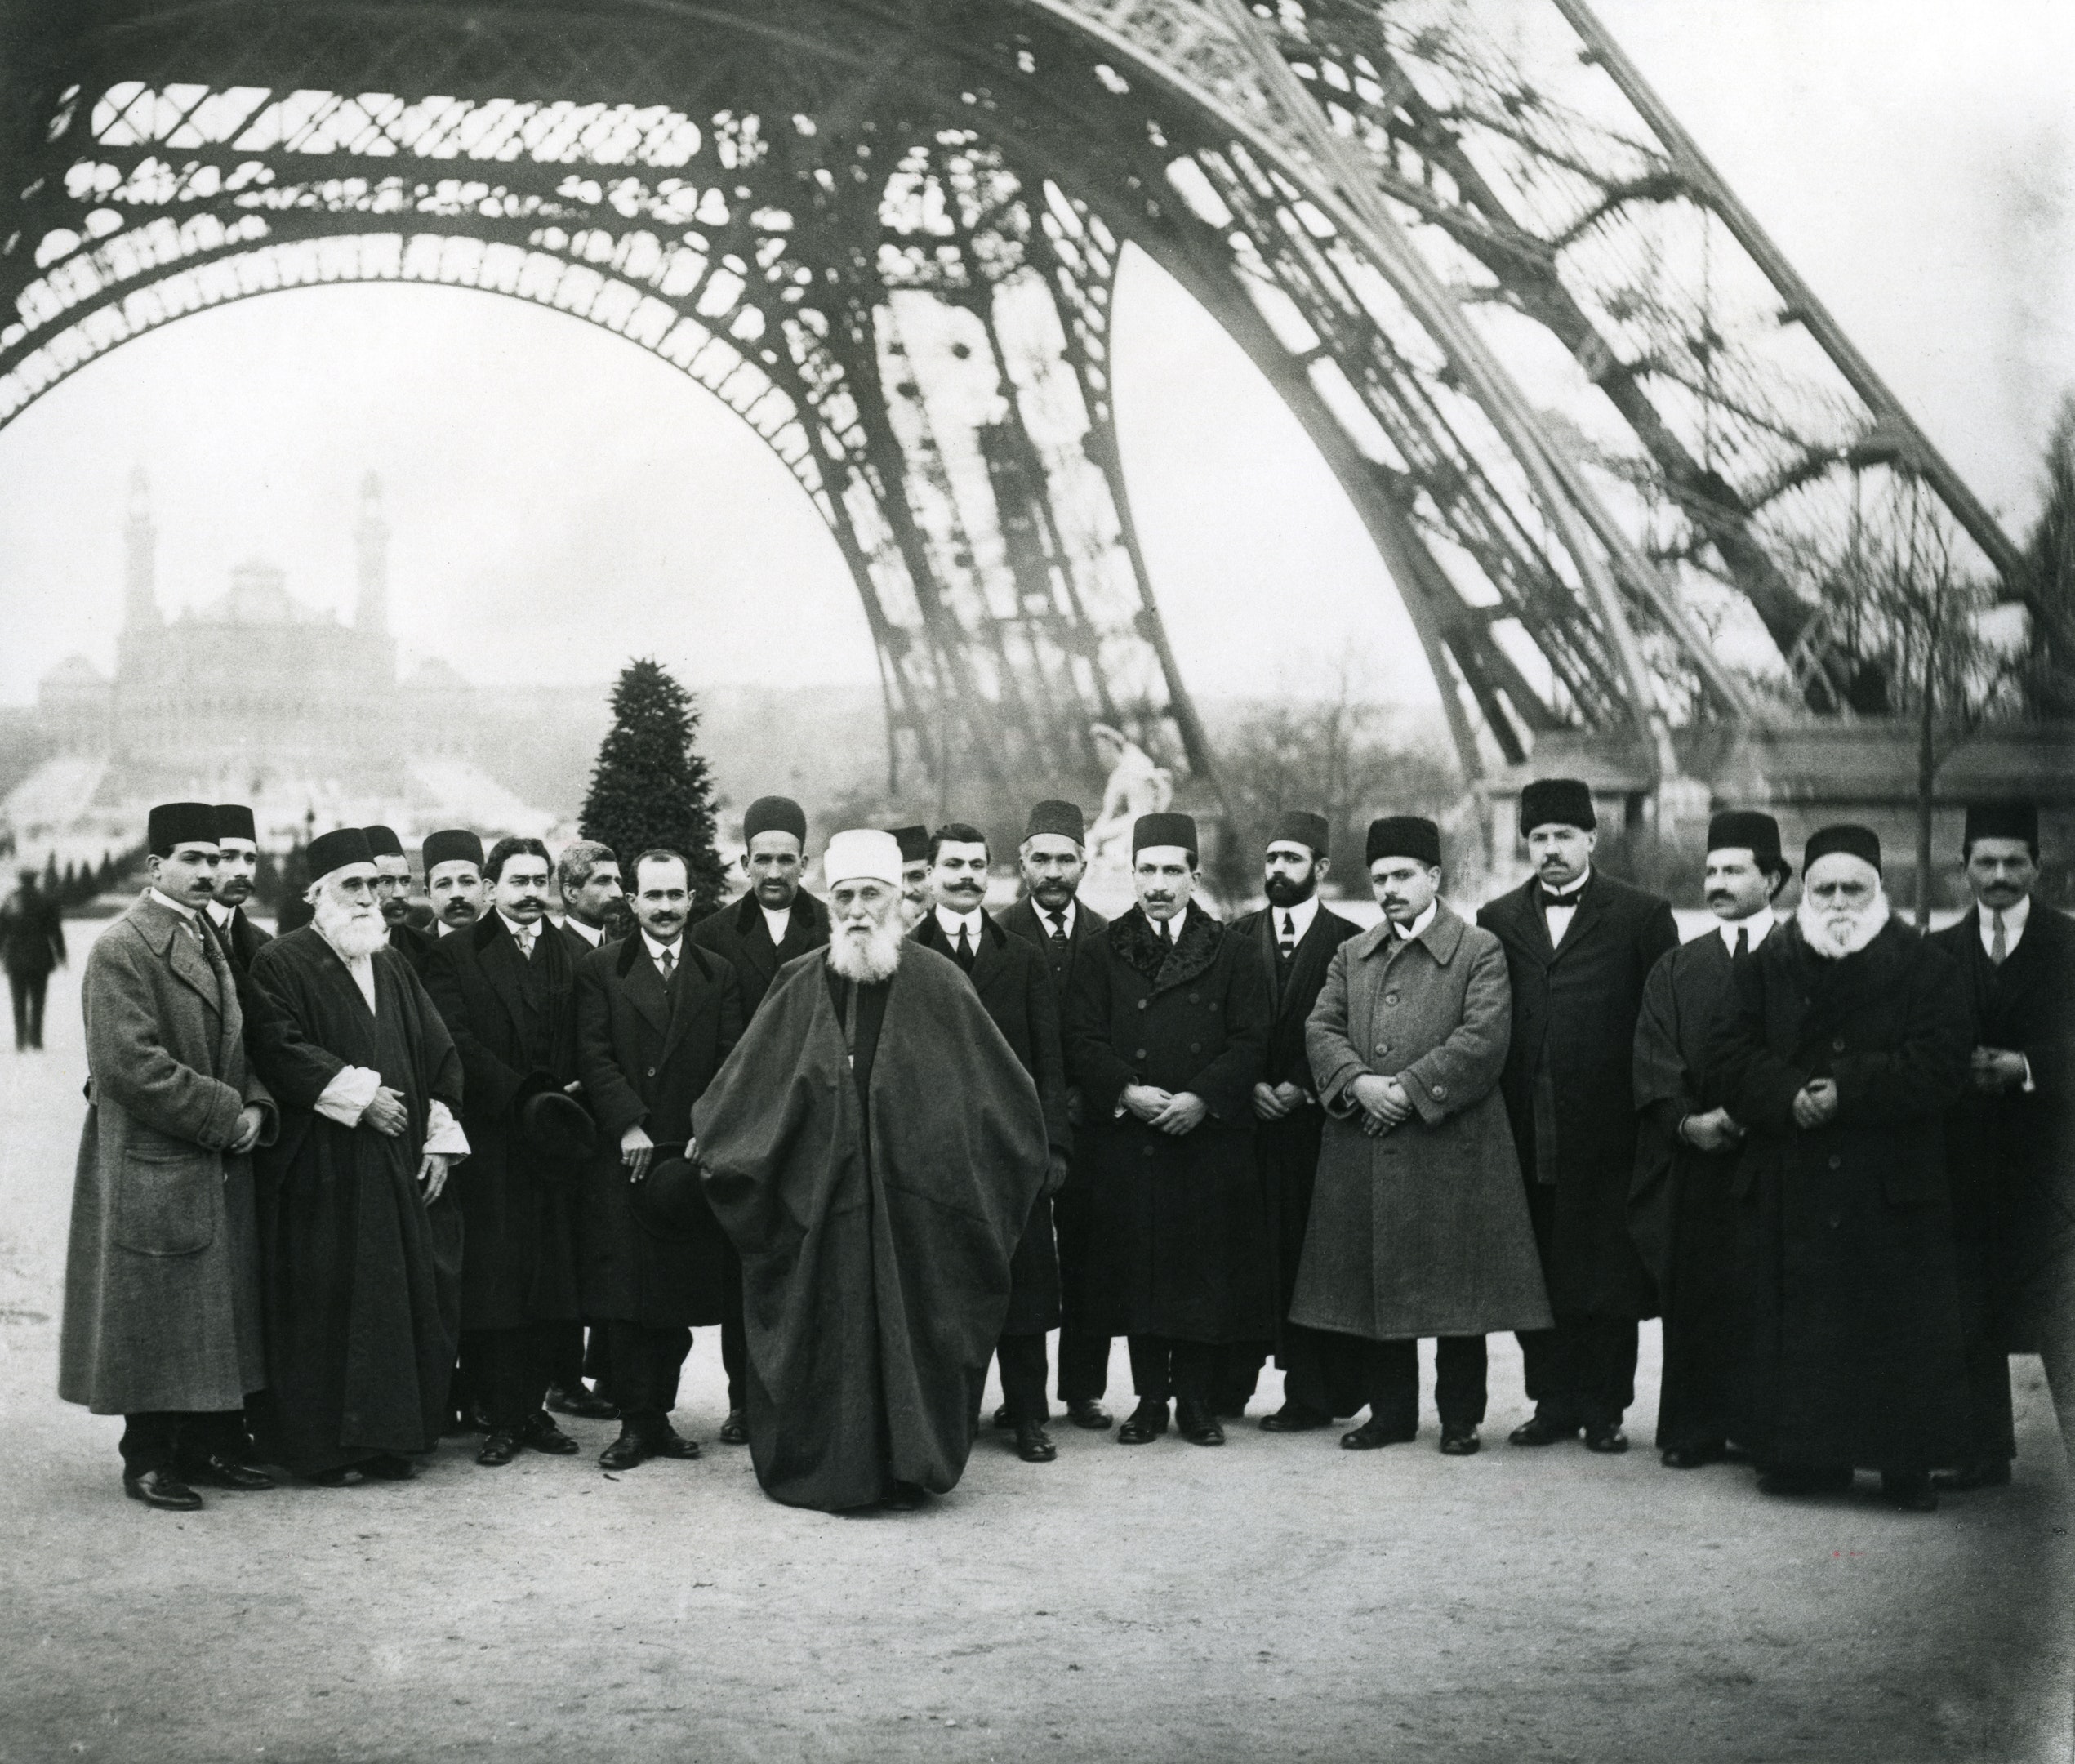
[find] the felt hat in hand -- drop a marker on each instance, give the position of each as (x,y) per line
(669,1201)
(555,1124)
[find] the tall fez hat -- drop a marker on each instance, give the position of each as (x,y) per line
(2012,821)
(1064,820)
(1296,827)
(172,824)
(1855,841)
(775,814)
(1758,834)
(234,821)
(335,850)
(914,842)
(450,845)
(1566,801)
(1164,829)
(382,842)
(1405,837)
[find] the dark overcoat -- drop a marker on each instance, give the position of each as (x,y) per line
(1015,988)
(646,1054)
(1288,1150)
(242,940)
(31,933)
(1422,1231)
(2013,1155)
(414,945)
(1569,1082)
(518,1207)
(161,1291)
(738,932)
(1179,1242)
(1851,1341)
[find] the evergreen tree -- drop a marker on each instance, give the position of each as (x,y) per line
(650,787)
(51,884)
(2050,675)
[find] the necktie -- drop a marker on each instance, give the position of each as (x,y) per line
(964,948)
(1288,947)
(1058,934)
(1998,948)
(669,963)
(1743,940)
(526,943)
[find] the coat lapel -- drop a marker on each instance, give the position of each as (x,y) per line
(184,956)
(498,956)
(645,989)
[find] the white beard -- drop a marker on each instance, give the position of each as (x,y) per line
(351,931)
(870,961)
(1836,934)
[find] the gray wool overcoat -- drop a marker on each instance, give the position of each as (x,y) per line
(161,1297)
(1423,1231)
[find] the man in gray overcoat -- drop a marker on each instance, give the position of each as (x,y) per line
(162,1303)
(1419,1225)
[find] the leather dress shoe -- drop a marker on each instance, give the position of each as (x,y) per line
(735,1430)
(1696,1457)
(1909,1491)
(542,1435)
(1984,1473)
(218,1471)
(1197,1423)
(1805,1479)
(1033,1444)
(625,1452)
(1295,1417)
(1539,1429)
(1085,1412)
(390,1467)
(1373,1433)
(1606,1436)
(581,1402)
(663,1440)
(161,1488)
(498,1449)
(1002,1418)
(1459,1439)
(1145,1424)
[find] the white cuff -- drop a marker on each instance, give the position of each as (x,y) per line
(345,1099)
(2028,1086)
(443,1133)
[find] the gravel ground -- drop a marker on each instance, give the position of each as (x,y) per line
(1277,1599)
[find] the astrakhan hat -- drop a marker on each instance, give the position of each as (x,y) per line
(1062,820)
(914,842)
(2011,821)
(382,842)
(775,814)
(1746,829)
(171,824)
(1413,836)
(1565,801)
(1855,841)
(335,850)
(1169,829)
(234,821)
(1297,826)
(452,845)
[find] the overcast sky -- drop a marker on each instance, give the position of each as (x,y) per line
(559,499)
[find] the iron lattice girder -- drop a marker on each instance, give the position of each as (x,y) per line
(559,131)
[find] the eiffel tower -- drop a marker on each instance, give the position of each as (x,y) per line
(1591,418)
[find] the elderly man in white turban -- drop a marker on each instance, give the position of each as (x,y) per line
(1846,1039)
(360,1240)
(872,1147)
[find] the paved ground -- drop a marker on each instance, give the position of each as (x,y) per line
(1278,1599)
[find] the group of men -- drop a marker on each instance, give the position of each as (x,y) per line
(345,1191)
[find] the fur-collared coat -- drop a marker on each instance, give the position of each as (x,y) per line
(1179,1244)
(1424,1229)
(162,1294)
(739,934)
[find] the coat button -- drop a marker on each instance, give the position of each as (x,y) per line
(1389,998)
(1141,1004)
(1140,1055)
(1441,1090)
(1383,1047)
(1836,1162)
(652,1071)
(1195,1047)
(1194,996)
(1838,1046)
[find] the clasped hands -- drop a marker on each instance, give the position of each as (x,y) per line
(1715,1130)
(1383,1101)
(1815,1104)
(388,1116)
(1274,1102)
(1171,1111)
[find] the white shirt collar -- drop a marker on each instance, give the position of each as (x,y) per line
(1759,925)
(2014,919)
(656,950)
(1301,916)
(1567,897)
(776,923)
(172,906)
(951,921)
(571,922)
(1406,934)
(1068,913)
(520,932)
(220,913)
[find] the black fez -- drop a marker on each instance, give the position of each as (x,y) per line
(914,842)
(450,845)
(1854,841)
(234,821)
(1746,828)
(1564,800)
(1164,829)
(172,824)
(1405,837)
(1061,819)
(775,814)
(668,1202)
(2010,821)
(1296,826)
(335,850)
(382,842)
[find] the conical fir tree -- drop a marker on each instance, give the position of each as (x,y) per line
(650,787)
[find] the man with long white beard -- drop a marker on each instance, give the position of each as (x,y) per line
(360,1247)
(872,1147)
(1846,1039)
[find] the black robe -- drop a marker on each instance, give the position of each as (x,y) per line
(1681,1208)
(1850,1340)
(362,1278)
(875,1241)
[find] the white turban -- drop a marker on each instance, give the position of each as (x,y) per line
(863,853)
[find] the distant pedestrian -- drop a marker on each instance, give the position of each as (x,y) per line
(32,943)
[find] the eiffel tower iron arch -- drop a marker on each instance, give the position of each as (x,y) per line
(888,237)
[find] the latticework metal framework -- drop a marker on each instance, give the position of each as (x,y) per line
(1596,428)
